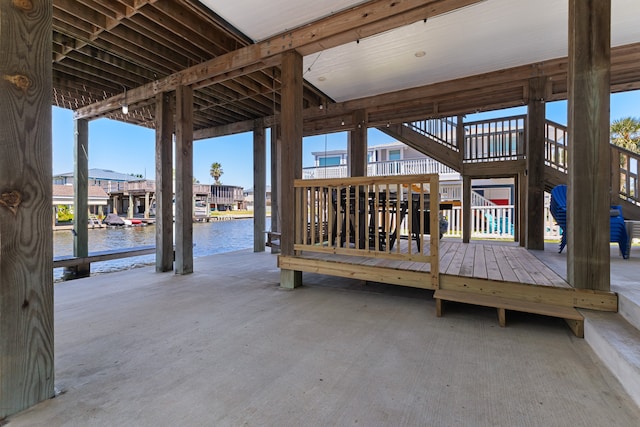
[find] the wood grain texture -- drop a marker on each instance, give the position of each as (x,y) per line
(291,153)
(535,163)
(588,264)
(81,195)
(259,187)
(26,248)
(164,182)
(184,180)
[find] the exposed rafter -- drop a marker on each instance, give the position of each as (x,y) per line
(499,89)
(350,25)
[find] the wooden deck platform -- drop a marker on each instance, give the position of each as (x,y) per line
(504,276)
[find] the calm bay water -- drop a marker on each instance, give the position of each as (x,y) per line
(209,238)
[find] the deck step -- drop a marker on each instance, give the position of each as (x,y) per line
(629,306)
(574,319)
(617,344)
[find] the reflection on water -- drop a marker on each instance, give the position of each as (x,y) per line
(209,238)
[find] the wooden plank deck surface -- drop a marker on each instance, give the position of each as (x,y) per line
(492,261)
(497,262)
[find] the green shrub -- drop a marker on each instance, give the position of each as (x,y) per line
(64,214)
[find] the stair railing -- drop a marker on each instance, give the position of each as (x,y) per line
(495,139)
(441,130)
(555,146)
(624,161)
(626,181)
(478,199)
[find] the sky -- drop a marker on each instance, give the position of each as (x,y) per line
(131,149)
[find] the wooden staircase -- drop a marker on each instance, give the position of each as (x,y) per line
(477,148)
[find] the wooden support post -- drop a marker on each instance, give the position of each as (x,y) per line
(164,184)
(460,136)
(81,198)
(259,187)
(26,249)
(502,316)
(615,175)
(131,206)
(184,180)
(290,157)
(535,164)
(521,215)
(588,263)
(357,145)
(276,140)
(466,209)
(146,205)
(439,307)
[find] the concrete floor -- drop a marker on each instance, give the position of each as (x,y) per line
(226,347)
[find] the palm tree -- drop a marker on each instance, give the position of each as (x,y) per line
(216,172)
(625,133)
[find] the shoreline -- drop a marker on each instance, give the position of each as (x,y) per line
(151,221)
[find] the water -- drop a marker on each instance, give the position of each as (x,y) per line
(209,238)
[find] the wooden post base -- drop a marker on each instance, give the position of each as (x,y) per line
(290,279)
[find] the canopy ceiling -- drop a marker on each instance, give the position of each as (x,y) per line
(103,47)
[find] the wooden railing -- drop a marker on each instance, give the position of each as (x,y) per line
(484,140)
(364,217)
(495,139)
(441,130)
(555,146)
(627,180)
(146,185)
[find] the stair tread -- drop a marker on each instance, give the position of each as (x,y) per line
(629,306)
(509,304)
(619,333)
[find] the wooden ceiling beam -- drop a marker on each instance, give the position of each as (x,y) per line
(489,91)
(81,11)
(97,59)
(141,24)
(135,46)
(111,10)
(66,24)
(101,22)
(193,28)
(342,27)
(211,105)
(252,81)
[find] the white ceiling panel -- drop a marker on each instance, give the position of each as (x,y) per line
(478,39)
(260,19)
(487,36)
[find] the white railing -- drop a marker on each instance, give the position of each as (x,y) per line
(453,191)
(494,222)
(325,172)
(450,191)
(393,167)
(408,167)
(478,199)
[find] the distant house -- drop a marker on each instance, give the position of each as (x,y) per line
(63,198)
(396,158)
(130,194)
(226,197)
(249,197)
(109,180)
(115,184)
